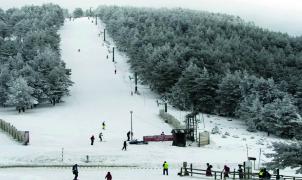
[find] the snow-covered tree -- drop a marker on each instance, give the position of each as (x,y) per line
(20,94)
(229,93)
(286,155)
(78,12)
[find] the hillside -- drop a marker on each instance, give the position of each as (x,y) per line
(213,63)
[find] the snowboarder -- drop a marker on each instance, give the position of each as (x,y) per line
(125,146)
(108,176)
(103,124)
(226,171)
(75,171)
(128,136)
(165,168)
(209,170)
(92,140)
(100,136)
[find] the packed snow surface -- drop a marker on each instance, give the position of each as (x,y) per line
(101,95)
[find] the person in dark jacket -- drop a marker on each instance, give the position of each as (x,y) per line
(92,139)
(125,146)
(75,171)
(226,171)
(108,176)
(128,136)
(209,170)
(240,171)
(100,136)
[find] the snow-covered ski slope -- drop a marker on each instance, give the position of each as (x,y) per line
(101,95)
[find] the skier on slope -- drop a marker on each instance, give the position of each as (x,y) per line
(100,136)
(103,124)
(125,146)
(92,140)
(128,136)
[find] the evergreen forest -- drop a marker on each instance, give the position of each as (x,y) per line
(214,63)
(31,69)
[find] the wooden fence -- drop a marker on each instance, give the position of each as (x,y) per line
(20,136)
(190,171)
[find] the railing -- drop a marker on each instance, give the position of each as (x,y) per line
(190,171)
(20,136)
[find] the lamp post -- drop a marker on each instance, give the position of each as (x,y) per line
(131,133)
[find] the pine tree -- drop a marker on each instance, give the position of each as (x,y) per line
(229,93)
(185,88)
(250,111)
(20,94)
(205,92)
(286,155)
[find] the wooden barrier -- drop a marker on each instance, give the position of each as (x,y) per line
(158,138)
(20,136)
(190,171)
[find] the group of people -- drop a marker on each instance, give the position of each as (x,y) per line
(225,171)
(75,171)
(263,173)
(92,138)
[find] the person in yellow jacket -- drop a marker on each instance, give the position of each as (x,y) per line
(165,168)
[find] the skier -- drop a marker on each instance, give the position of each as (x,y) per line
(108,176)
(209,170)
(103,124)
(125,146)
(165,168)
(226,171)
(92,140)
(128,136)
(100,136)
(115,71)
(79,50)
(107,56)
(75,171)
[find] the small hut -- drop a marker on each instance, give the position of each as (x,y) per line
(179,136)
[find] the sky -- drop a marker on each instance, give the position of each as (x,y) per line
(277,15)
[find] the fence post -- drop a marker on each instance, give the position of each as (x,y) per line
(191,169)
(234,174)
(215,175)
(220,175)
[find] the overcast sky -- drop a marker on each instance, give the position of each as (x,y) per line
(277,15)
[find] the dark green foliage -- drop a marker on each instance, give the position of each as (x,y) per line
(30,59)
(286,155)
(213,63)
(229,93)
(78,12)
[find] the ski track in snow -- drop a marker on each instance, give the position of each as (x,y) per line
(100,95)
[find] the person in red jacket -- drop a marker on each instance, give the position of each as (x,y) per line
(108,176)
